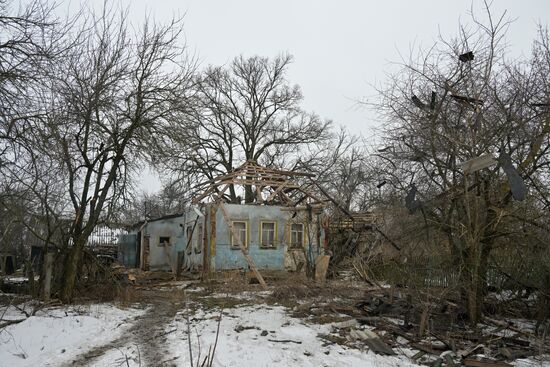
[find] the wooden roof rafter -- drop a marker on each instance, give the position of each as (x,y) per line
(269,185)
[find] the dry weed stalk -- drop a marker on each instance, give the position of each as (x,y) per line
(208,360)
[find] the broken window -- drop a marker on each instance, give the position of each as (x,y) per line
(240,229)
(164,241)
(268,234)
(296,235)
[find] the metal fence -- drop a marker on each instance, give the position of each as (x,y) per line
(508,273)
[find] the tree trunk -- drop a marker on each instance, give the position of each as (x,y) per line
(71,268)
(475,280)
(474,309)
(47,273)
(248,194)
(233,194)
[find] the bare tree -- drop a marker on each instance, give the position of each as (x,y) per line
(461,100)
(30,36)
(247,111)
(108,102)
(33,39)
(145,205)
(342,168)
(30,43)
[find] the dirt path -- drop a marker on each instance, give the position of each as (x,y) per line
(147,333)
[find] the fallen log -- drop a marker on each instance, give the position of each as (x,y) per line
(506,325)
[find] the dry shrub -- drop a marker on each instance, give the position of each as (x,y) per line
(100,292)
(127,295)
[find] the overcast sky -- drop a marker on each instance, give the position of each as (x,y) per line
(340,48)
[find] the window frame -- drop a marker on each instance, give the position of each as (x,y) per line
(235,246)
(275,234)
(290,244)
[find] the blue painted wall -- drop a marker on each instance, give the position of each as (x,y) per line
(193,255)
(161,257)
(224,256)
(265,258)
(231,258)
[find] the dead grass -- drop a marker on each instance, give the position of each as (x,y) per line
(225,289)
(101,292)
(222,302)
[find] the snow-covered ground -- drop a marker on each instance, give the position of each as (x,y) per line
(258,335)
(55,336)
(255,334)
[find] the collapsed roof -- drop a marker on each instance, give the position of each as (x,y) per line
(269,187)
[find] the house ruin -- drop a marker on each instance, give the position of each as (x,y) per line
(280,226)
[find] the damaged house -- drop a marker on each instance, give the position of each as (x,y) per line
(279,227)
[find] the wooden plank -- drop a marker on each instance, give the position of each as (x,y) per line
(276,192)
(425,349)
(205,246)
(317,208)
(373,341)
(244,250)
(249,181)
(250,173)
(485,363)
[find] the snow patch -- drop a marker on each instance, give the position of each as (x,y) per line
(54,336)
(264,335)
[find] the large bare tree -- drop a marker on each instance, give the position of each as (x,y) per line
(107,101)
(460,100)
(246,111)
(120,92)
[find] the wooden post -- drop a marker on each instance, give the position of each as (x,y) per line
(145,251)
(244,251)
(48,259)
(30,276)
(179,264)
(321,266)
(212,253)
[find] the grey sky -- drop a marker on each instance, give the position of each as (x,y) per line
(340,48)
